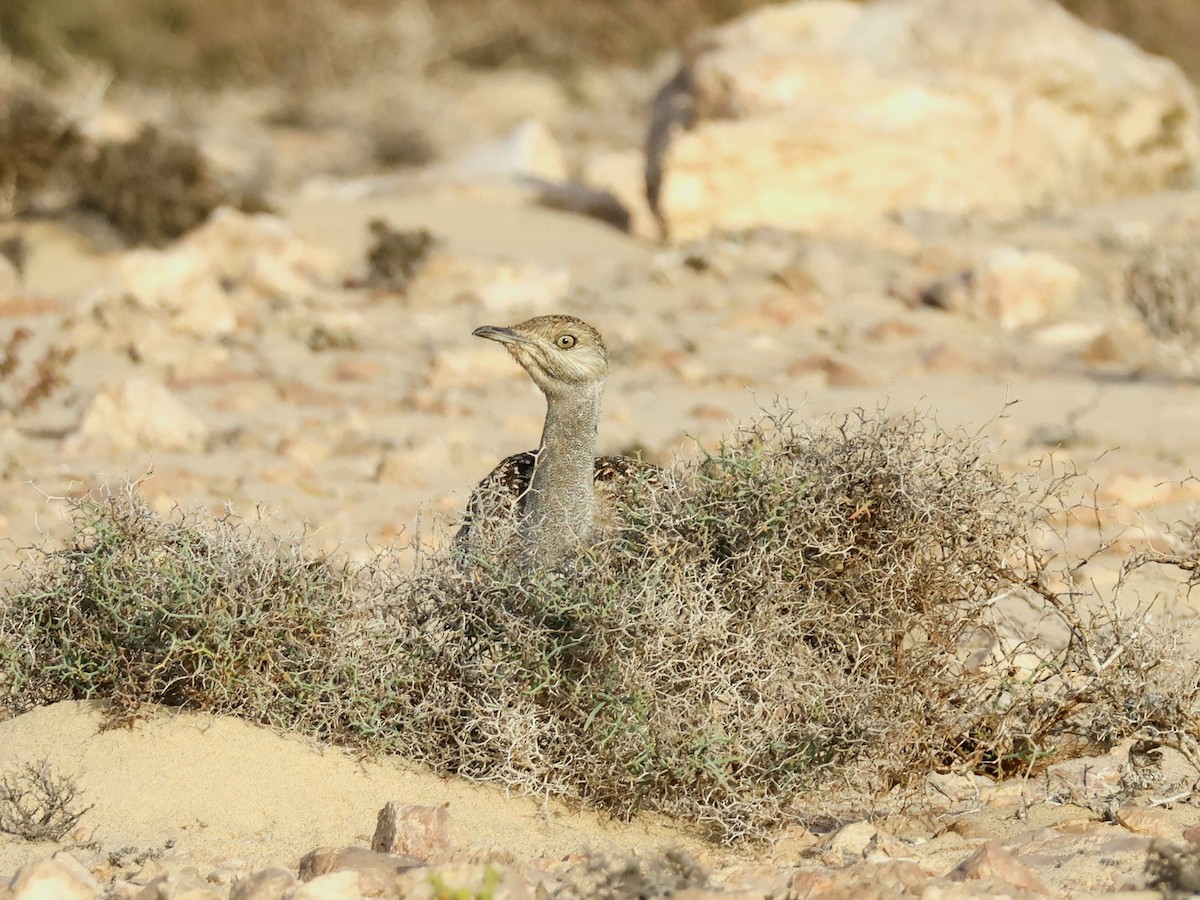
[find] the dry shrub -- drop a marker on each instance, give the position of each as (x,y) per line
(396,256)
(560,35)
(794,611)
(38,804)
(34,140)
(188,611)
(155,187)
(1162,283)
(204,41)
(24,385)
(808,607)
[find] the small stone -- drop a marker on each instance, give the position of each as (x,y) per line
(179,886)
(371,864)
(757,879)
(973,828)
(334,886)
(837,372)
(529,150)
(994,862)
(944,357)
(512,288)
(849,843)
(417,831)
(891,330)
(124,890)
(1150,821)
(268,884)
(1019,288)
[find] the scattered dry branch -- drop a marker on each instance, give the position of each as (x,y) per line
(38,804)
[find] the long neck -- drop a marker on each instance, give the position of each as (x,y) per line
(560,510)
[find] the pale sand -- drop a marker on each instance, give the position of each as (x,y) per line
(235,795)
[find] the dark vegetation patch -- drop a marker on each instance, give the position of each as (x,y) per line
(808,606)
(155,187)
(1162,284)
(152,188)
(396,256)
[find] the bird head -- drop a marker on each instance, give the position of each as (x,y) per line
(560,353)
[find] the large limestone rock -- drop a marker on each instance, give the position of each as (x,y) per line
(823,113)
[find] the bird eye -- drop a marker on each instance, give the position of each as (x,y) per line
(566,341)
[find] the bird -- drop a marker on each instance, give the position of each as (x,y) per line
(559,496)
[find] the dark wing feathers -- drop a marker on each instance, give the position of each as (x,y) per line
(502,493)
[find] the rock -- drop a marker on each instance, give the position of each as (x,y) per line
(1014,288)
(181,282)
(1019,288)
(267,884)
(1150,821)
(261,253)
(973,827)
(992,861)
(849,843)
(457,880)
(334,886)
(510,288)
(955,107)
(376,871)
(141,414)
(528,150)
(837,372)
(179,886)
(1175,868)
(416,831)
(202,282)
(52,879)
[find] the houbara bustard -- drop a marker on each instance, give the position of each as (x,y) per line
(560,495)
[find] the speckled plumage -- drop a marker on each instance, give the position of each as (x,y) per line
(560,494)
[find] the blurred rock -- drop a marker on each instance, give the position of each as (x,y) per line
(138,414)
(528,150)
(1015,288)
(1150,821)
(334,886)
(416,831)
(267,884)
(57,878)
(993,862)
(837,372)
(1018,288)
(377,872)
(203,283)
(180,886)
(182,283)
(817,114)
(513,288)
(577,197)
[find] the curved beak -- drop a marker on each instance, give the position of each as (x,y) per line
(502,335)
